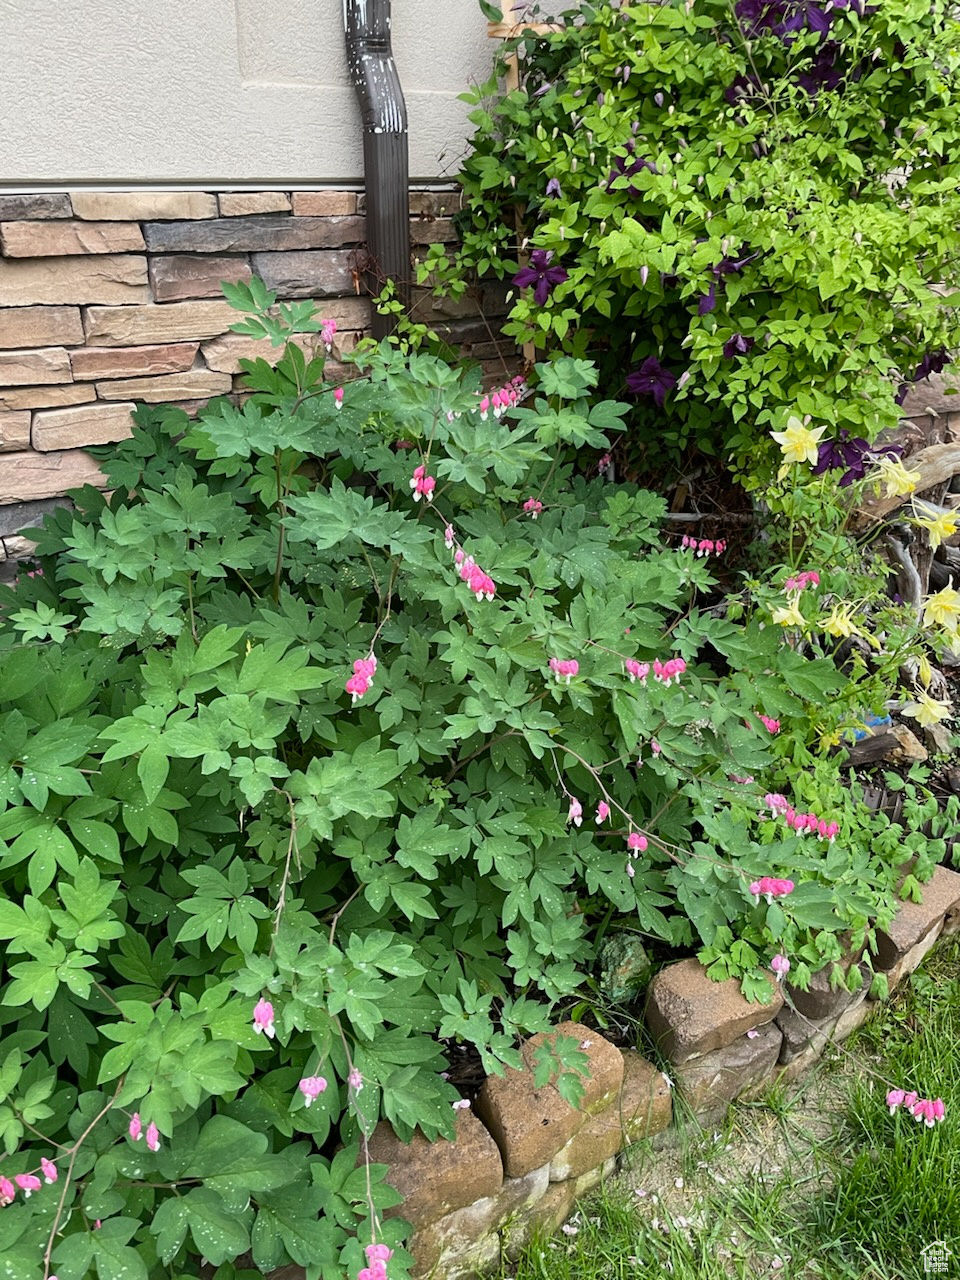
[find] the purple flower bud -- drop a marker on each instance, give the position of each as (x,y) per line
(658,99)
(626,73)
(599,99)
(644,272)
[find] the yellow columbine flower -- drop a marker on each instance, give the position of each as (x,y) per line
(789,615)
(895,477)
(943,608)
(798,443)
(840,622)
(924,670)
(939,524)
(927,710)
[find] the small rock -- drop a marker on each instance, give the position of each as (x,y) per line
(624,966)
(938,739)
(909,748)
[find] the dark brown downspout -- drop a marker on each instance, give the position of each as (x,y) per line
(386,163)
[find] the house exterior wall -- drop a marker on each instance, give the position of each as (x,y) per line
(212,92)
(108,298)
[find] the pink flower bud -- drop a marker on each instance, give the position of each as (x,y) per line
(603,812)
(338,398)
(153,1137)
(135,1128)
(49,1170)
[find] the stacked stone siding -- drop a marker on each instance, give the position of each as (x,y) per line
(108,298)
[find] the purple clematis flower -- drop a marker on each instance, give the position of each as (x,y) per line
(651,379)
(707,300)
(738,345)
(853,453)
(629,165)
(541,274)
(931,362)
(553,188)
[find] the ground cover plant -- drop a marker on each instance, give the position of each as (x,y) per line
(741,211)
(348,726)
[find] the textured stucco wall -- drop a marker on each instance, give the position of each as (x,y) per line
(207,91)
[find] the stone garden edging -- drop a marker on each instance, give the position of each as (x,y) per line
(523,1157)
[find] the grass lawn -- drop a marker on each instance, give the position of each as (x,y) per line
(818,1183)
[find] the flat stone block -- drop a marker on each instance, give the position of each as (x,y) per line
(821,1000)
(689,1015)
(155,323)
(853,1019)
(597,1140)
(32,368)
(132,362)
(45,397)
(246,235)
(436,1178)
(171,386)
(645,1105)
(175,277)
(37,205)
(590,1180)
(59,238)
(324,204)
(457,1247)
(40,327)
(530,1125)
(75,428)
(14,431)
(915,920)
(225,353)
(543,1218)
(308,274)
(238,204)
(29,475)
(800,1035)
(19,516)
(97,278)
(432,231)
(713,1080)
(142,206)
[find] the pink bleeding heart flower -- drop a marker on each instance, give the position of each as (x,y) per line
(895,1099)
(263,1019)
(311,1087)
(575,814)
(462,1104)
(338,398)
(780,966)
(49,1169)
(355,1080)
(153,1137)
(422,484)
(328,331)
(637,670)
(135,1127)
(636,842)
(28,1183)
(378,1253)
(376,1271)
(534,506)
(772,726)
(603,812)
(8,1192)
(449,537)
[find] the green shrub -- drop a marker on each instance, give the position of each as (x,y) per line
(205,839)
(741,211)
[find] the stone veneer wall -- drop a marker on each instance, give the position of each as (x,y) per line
(112,297)
(522,1157)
